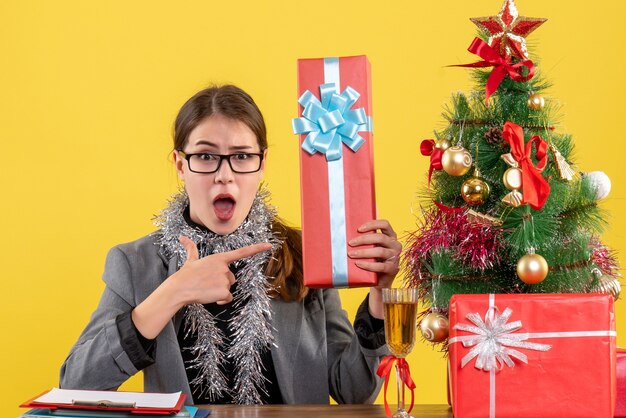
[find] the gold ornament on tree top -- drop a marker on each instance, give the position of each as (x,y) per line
(508,30)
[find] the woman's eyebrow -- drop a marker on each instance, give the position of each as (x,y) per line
(205,142)
(210,144)
(240,148)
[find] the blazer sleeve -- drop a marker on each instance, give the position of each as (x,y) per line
(351,366)
(99,360)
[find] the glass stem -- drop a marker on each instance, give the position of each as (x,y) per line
(400,380)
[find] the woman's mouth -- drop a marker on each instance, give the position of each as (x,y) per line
(224,207)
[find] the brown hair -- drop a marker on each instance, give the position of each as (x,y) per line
(285,269)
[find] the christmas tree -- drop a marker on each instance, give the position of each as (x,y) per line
(505,208)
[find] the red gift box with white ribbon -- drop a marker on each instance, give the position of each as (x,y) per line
(532,355)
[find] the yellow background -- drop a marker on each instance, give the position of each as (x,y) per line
(89,91)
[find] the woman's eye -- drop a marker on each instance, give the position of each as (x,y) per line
(208,157)
(241,156)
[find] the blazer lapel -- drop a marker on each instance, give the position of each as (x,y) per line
(287,320)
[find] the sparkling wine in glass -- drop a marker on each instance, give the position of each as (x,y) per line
(400,325)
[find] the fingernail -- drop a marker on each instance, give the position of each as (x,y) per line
(351,242)
(352,253)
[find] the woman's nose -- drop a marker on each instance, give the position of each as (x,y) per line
(224,174)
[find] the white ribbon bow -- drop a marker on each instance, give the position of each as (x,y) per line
(492,338)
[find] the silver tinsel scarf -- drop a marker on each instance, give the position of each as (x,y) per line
(251,327)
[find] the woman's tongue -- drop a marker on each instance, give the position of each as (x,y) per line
(224,208)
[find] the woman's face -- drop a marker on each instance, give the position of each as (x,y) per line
(220,201)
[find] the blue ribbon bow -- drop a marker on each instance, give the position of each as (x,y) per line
(330,122)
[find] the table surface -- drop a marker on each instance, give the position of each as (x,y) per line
(309,411)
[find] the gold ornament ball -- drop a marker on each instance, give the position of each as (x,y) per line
(536,102)
(512,178)
(609,285)
(443,144)
(434,327)
(532,268)
(456,161)
(475,191)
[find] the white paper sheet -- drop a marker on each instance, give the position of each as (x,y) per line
(141,400)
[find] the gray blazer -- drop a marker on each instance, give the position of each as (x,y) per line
(317,352)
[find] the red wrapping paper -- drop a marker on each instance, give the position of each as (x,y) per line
(574,378)
(620,403)
(358,179)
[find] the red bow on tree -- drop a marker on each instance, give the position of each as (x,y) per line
(428,148)
(535,187)
(384,370)
(502,66)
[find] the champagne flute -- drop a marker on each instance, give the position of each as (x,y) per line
(400,324)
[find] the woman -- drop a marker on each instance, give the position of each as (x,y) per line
(213,304)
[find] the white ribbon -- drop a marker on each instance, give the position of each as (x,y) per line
(492,339)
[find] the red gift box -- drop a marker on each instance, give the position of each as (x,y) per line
(532,355)
(620,403)
(336,167)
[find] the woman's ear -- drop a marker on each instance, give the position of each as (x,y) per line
(179,163)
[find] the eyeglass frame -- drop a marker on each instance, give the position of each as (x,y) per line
(222,157)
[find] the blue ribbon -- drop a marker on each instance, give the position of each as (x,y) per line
(330,122)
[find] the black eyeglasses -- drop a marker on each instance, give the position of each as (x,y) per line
(206,163)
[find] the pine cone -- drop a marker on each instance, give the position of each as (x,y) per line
(494,136)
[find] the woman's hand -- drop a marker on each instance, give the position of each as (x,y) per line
(199,280)
(208,279)
(386,252)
